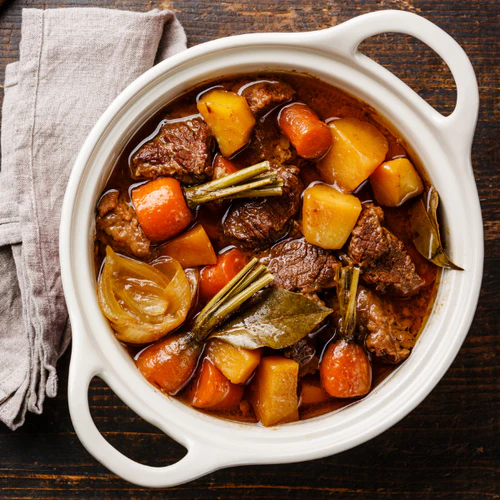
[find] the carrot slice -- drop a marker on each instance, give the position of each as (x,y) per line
(161,208)
(211,389)
(213,278)
(307,133)
(345,370)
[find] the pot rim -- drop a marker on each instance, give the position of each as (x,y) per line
(211,442)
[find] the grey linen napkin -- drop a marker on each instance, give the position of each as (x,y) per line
(73,63)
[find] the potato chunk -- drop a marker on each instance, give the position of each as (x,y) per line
(229,118)
(311,392)
(275,398)
(358,149)
(236,363)
(395,181)
(191,249)
(328,216)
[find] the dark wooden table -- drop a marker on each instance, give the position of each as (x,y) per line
(448,447)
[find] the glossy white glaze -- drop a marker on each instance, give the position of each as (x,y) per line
(443,145)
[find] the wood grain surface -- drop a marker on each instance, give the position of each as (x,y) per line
(448,447)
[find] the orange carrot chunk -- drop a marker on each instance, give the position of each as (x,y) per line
(345,370)
(307,133)
(213,278)
(161,208)
(211,389)
(170,362)
(223,167)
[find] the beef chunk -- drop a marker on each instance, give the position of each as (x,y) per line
(315,298)
(118,227)
(387,337)
(181,149)
(299,266)
(303,352)
(262,97)
(254,224)
(108,202)
(382,257)
(268,143)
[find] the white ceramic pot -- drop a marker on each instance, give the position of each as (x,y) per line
(443,145)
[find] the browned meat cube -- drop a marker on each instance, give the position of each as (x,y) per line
(182,149)
(299,266)
(254,224)
(118,227)
(303,352)
(383,259)
(262,97)
(386,335)
(268,143)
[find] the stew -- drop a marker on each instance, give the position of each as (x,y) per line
(262,248)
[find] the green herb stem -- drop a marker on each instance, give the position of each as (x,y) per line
(231,192)
(250,179)
(237,177)
(252,278)
(259,193)
(235,302)
(249,278)
(219,296)
(347,296)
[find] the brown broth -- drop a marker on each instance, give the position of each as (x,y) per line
(328,102)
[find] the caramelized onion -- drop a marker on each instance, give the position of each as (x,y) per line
(143,302)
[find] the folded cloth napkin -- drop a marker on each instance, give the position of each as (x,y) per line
(73,63)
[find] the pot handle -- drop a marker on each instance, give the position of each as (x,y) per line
(198,461)
(345,38)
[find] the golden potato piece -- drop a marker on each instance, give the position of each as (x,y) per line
(236,363)
(358,149)
(395,182)
(191,249)
(311,392)
(229,118)
(328,216)
(275,398)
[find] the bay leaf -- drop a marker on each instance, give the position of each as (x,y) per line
(425,231)
(278,319)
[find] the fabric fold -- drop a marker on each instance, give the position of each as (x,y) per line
(73,63)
